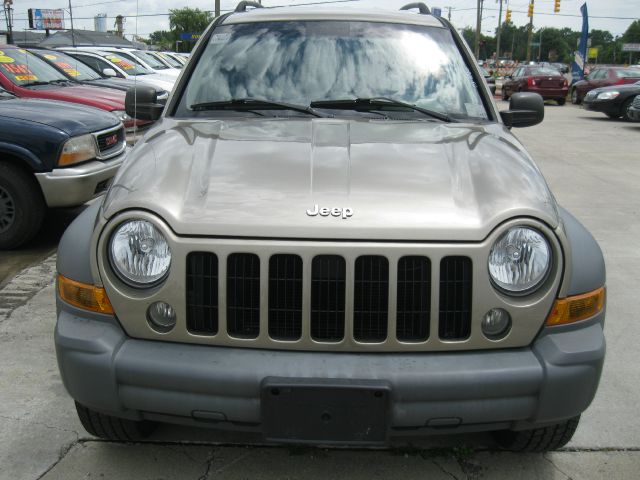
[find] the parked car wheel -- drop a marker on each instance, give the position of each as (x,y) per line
(113,428)
(612,115)
(574,97)
(22,207)
(625,109)
(505,97)
(561,101)
(538,439)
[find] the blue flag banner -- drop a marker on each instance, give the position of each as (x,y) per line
(580,60)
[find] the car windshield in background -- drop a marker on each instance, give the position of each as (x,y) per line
(149,59)
(170,60)
(131,67)
(23,68)
(544,71)
(628,73)
(304,62)
(69,65)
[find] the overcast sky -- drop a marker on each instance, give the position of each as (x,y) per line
(153,14)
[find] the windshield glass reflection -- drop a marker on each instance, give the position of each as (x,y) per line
(301,62)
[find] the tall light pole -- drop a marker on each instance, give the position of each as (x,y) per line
(499,31)
(73,37)
(530,38)
(478,29)
(217,13)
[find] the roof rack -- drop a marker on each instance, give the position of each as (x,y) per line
(424,10)
(242,6)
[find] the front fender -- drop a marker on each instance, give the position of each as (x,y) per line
(74,249)
(23,154)
(588,271)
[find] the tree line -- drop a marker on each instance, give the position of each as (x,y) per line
(555,44)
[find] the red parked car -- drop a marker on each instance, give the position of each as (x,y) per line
(27,76)
(548,82)
(603,77)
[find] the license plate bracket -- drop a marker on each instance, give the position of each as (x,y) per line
(325,411)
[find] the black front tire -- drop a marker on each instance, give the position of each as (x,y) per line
(113,428)
(22,207)
(541,439)
(625,110)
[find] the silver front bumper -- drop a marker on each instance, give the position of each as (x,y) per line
(67,187)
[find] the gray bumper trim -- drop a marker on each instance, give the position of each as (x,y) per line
(106,370)
(67,187)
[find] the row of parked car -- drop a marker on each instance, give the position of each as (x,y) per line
(64,126)
(610,90)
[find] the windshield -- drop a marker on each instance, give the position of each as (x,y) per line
(544,71)
(130,67)
(302,62)
(628,73)
(149,59)
(170,60)
(70,66)
(23,68)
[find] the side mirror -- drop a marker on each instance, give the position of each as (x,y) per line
(141,102)
(525,110)
(109,72)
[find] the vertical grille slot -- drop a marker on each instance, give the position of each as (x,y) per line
(455,298)
(328,273)
(285,297)
(243,295)
(371,298)
(202,293)
(414,299)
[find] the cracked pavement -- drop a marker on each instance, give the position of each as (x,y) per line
(591,164)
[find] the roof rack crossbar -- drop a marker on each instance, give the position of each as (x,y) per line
(424,10)
(242,6)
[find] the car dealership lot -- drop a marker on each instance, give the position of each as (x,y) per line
(591,164)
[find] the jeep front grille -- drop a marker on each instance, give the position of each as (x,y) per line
(243,295)
(325,310)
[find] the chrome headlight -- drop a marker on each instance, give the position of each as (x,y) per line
(608,95)
(139,253)
(519,260)
(122,115)
(78,149)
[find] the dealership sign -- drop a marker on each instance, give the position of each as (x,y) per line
(631,47)
(46,19)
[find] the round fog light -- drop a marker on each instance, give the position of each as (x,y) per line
(496,323)
(161,317)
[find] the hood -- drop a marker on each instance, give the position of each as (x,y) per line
(157,80)
(104,98)
(619,88)
(71,118)
(398,180)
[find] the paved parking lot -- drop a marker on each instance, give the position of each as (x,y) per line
(592,165)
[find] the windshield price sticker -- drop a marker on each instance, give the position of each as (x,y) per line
(5,58)
(50,57)
(71,72)
(17,69)
(25,78)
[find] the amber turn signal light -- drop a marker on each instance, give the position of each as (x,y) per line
(84,296)
(576,308)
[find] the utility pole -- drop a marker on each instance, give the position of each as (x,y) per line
(73,36)
(449,16)
(540,46)
(499,31)
(478,29)
(530,38)
(7,16)
(217,13)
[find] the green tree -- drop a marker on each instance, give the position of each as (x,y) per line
(164,39)
(632,35)
(189,20)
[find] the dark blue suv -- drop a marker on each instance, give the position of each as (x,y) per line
(52,154)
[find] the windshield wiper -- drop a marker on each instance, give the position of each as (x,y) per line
(367,104)
(253,104)
(31,84)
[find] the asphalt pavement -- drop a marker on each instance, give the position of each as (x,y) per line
(592,166)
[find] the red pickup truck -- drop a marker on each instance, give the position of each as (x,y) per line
(27,76)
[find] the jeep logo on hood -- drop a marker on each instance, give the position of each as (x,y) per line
(345,212)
